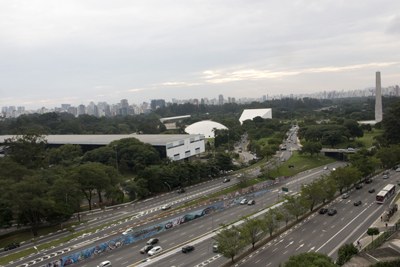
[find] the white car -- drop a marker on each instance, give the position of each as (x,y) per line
(128,231)
(166,207)
(105,264)
(154,251)
(243,201)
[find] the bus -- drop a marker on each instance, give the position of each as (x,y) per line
(386,193)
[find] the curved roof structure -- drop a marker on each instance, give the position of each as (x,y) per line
(249,114)
(205,128)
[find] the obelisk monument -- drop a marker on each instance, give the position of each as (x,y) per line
(378,98)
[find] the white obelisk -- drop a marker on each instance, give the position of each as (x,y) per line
(378,98)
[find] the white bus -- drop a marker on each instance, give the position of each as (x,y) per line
(386,193)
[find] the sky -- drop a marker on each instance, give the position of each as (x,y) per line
(78,51)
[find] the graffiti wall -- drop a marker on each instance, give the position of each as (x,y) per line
(143,233)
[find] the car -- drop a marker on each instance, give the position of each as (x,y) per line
(251,202)
(128,231)
(226,180)
(323,211)
(154,251)
(332,212)
(350,149)
(243,201)
(152,241)
(326,167)
(368,181)
(357,203)
(166,207)
(180,190)
(146,249)
(187,249)
(359,186)
(385,176)
(398,169)
(345,195)
(105,264)
(11,246)
(215,247)
(372,190)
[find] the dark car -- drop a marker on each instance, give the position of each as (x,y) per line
(372,190)
(332,212)
(146,249)
(251,202)
(358,186)
(357,203)
(226,180)
(187,249)
(323,211)
(180,190)
(152,241)
(11,246)
(368,181)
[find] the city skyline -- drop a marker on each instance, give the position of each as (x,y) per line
(81,51)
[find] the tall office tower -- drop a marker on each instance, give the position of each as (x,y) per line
(220,100)
(378,98)
(81,110)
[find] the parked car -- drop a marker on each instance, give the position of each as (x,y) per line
(128,231)
(323,211)
(11,246)
(357,203)
(243,201)
(368,181)
(154,251)
(326,167)
(226,180)
(105,264)
(251,202)
(372,190)
(152,241)
(166,207)
(359,186)
(332,212)
(146,249)
(385,176)
(345,195)
(187,249)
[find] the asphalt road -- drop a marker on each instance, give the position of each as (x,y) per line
(323,233)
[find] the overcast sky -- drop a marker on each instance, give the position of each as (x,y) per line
(77,51)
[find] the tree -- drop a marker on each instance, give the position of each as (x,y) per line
(229,242)
(311,148)
(294,205)
(270,221)
(345,253)
(345,177)
(252,231)
(391,124)
(27,150)
(389,156)
(313,193)
(364,161)
(373,231)
(310,259)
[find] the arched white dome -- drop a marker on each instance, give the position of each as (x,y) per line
(204,127)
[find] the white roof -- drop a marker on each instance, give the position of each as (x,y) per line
(205,128)
(249,114)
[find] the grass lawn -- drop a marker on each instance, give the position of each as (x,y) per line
(368,137)
(301,163)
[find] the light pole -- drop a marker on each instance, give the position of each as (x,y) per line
(167,184)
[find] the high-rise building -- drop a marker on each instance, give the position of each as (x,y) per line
(378,98)
(81,110)
(157,103)
(220,100)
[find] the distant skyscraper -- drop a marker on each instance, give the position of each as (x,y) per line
(81,110)
(378,98)
(157,103)
(220,100)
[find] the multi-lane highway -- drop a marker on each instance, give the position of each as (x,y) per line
(187,233)
(323,233)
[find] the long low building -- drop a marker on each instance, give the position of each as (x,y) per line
(173,146)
